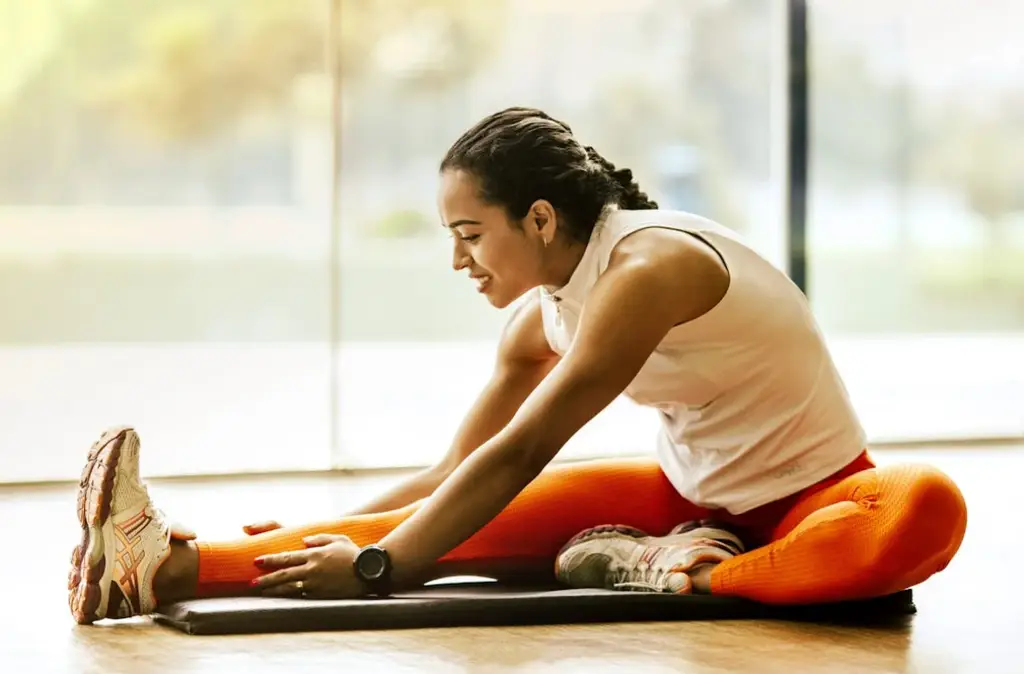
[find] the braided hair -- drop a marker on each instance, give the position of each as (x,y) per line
(519,155)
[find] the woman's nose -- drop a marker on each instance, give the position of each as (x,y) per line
(459,258)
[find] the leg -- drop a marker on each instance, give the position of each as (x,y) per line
(524,539)
(876,532)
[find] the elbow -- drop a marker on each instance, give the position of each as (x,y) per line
(435,475)
(528,448)
(530,458)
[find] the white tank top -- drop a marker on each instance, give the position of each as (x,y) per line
(752,406)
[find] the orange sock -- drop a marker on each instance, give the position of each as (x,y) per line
(558,504)
(876,532)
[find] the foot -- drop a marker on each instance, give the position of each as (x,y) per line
(624,558)
(124,537)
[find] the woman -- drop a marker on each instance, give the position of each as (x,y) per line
(761,487)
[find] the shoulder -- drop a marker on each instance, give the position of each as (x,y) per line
(661,264)
(523,339)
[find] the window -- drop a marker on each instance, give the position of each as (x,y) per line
(683,93)
(917,212)
(166,194)
(164,201)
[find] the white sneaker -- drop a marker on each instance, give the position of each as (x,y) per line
(124,537)
(624,558)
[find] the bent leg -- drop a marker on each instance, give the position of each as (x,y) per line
(527,535)
(876,532)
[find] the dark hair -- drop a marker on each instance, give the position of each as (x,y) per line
(519,155)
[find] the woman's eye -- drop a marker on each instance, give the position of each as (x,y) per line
(470,238)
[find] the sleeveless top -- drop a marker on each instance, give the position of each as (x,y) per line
(752,406)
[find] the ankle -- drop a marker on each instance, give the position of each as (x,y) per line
(177,577)
(700,578)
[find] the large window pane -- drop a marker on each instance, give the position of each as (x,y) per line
(681,92)
(917,211)
(164,218)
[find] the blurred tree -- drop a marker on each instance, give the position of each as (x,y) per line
(980,153)
(729,73)
(855,115)
(200,65)
(207,80)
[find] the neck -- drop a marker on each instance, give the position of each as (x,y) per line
(560,263)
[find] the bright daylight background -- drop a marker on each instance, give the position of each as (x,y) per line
(166,190)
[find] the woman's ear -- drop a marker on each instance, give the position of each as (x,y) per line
(543,219)
(540,219)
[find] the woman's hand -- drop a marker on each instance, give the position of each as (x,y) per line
(180,532)
(261,527)
(324,570)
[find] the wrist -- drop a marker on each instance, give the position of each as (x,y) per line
(373,568)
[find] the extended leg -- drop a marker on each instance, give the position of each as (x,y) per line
(525,537)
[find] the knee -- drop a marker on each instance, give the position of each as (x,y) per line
(928,516)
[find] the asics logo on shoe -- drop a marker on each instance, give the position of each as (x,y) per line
(130,557)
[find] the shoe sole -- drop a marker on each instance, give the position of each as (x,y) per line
(95,492)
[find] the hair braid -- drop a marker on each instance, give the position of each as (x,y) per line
(630,195)
(520,155)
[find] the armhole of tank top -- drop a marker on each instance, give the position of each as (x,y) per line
(701,236)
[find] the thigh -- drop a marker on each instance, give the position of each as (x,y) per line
(852,489)
(569,497)
(631,491)
(895,497)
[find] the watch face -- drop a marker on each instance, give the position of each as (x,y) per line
(371,564)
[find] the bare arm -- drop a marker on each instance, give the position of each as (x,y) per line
(523,360)
(634,304)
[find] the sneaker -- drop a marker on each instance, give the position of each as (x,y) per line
(124,537)
(715,528)
(624,558)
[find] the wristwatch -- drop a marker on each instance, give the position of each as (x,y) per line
(373,567)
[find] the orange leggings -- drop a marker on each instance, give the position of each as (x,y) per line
(865,531)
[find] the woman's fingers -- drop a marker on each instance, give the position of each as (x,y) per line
(280,579)
(260,527)
(179,532)
(320,540)
(281,560)
(292,589)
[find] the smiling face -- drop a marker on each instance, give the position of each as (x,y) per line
(504,257)
(522,197)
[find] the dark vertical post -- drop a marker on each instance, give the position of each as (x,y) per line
(797,142)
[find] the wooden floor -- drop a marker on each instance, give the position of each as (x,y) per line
(971,617)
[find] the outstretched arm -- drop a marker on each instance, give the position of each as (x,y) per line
(523,360)
(630,309)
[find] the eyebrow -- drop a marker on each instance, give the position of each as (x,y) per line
(458,223)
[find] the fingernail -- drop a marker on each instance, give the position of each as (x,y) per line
(258,561)
(254,582)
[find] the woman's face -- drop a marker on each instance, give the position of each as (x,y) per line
(504,258)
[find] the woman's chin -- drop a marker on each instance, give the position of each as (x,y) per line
(493,295)
(500,300)
(496,300)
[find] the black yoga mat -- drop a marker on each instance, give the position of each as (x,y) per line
(488,603)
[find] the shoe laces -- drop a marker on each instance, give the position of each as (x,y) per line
(643,577)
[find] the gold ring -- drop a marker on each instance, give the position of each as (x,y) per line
(301,587)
